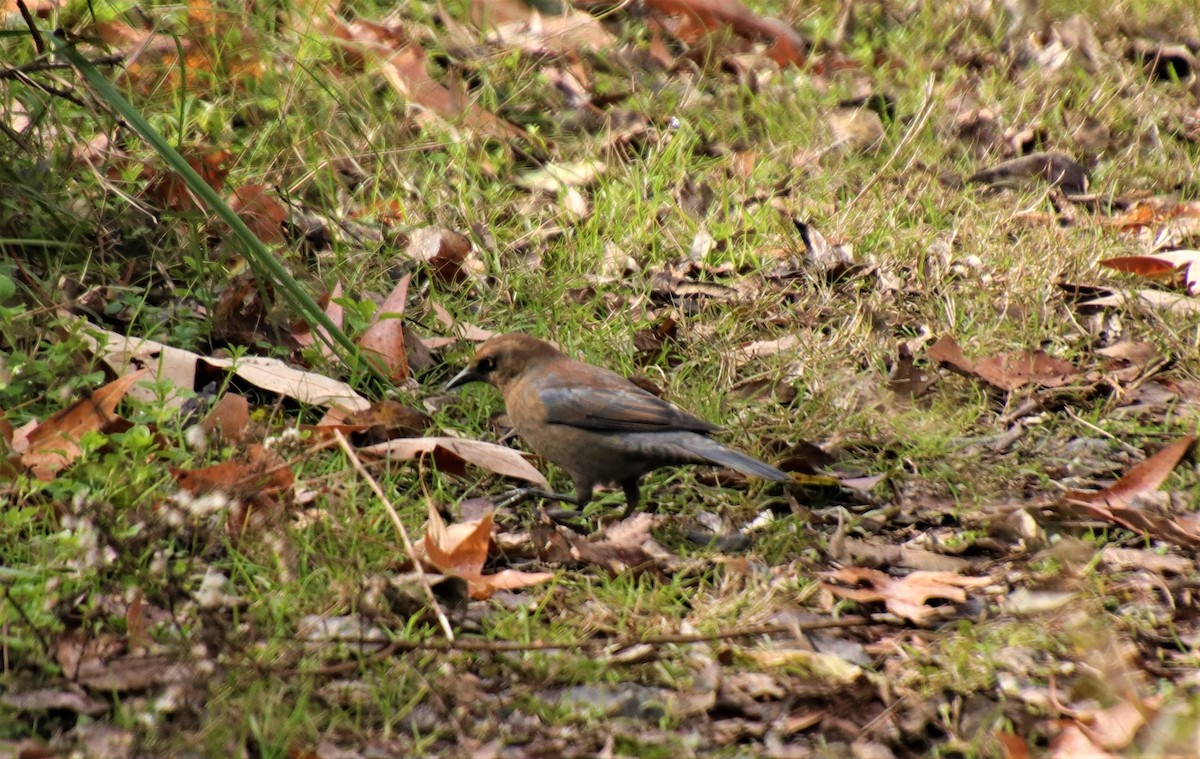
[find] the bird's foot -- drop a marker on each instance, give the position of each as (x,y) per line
(520,495)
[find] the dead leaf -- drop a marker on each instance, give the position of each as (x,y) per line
(445,251)
(622,547)
(1156,299)
(1146,477)
(907,381)
(1009,371)
(260,486)
(261,212)
(69,699)
(1164,264)
(518,23)
(449,453)
(384,338)
(787,46)
(858,129)
(168,190)
(1119,503)
(553,178)
(229,418)
(1073,743)
(402,63)
(462,549)
(54,443)
(122,353)
(1006,371)
(906,597)
(303,335)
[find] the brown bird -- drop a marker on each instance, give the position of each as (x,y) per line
(593,423)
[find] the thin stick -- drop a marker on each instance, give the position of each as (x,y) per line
(917,125)
(408,546)
(470,644)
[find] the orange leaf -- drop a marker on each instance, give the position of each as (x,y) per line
(1145,266)
(261,212)
(54,443)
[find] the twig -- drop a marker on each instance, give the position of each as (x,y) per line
(408,546)
(39,44)
(471,644)
(36,66)
(1124,446)
(922,117)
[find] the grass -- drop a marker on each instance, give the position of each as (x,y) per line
(963,260)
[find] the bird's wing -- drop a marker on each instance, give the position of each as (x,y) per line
(616,409)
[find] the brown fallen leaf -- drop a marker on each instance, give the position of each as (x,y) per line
(907,596)
(383,340)
(450,453)
(259,486)
(261,212)
(168,190)
(303,335)
(787,46)
(229,418)
(1119,503)
(402,63)
(122,352)
(1144,478)
(460,550)
(54,443)
(1005,371)
(1073,743)
(568,31)
(1179,264)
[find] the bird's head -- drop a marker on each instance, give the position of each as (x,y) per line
(503,359)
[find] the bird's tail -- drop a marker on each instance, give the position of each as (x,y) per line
(719,454)
(683,446)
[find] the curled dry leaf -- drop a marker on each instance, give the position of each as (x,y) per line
(179,366)
(1144,478)
(450,453)
(445,251)
(906,597)
(461,550)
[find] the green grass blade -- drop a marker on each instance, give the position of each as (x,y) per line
(255,250)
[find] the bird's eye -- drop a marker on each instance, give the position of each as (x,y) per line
(487,364)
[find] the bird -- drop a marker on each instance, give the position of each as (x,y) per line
(594,423)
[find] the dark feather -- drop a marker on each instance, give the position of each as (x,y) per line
(616,409)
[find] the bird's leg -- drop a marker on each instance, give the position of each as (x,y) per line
(632,496)
(520,495)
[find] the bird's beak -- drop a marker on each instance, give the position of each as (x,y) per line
(462,378)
